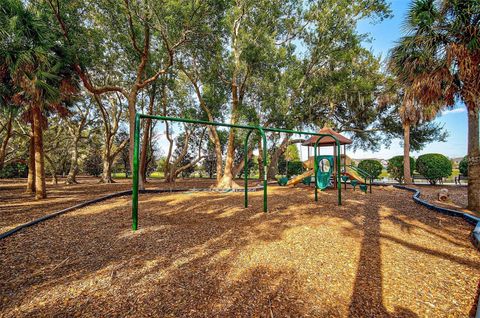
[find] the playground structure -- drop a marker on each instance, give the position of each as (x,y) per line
(261,131)
(325,168)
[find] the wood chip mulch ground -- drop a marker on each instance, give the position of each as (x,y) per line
(458,197)
(203,255)
(18,207)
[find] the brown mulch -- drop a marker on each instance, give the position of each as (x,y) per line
(458,198)
(18,207)
(203,255)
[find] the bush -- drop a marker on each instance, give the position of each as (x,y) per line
(395,167)
(373,167)
(93,164)
(15,169)
(294,168)
(434,167)
(463,166)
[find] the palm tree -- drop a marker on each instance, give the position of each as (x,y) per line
(439,61)
(412,113)
(36,64)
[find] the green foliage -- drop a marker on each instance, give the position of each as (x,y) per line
(395,167)
(434,167)
(252,44)
(295,168)
(292,157)
(34,58)
(373,167)
(93,163)
(15,169)
(292,153)
(463,166)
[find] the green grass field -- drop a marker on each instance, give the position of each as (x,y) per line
(121,175)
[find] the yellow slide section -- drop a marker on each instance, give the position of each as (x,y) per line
(352,174)
(299,178)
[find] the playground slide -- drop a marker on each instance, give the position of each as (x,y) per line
(299,178)
(352,174)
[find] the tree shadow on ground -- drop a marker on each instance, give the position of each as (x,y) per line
(186,259)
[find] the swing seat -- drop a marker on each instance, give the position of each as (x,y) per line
(307,180)
(282,181)
(363,187)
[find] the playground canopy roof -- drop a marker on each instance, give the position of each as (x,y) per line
(327,141)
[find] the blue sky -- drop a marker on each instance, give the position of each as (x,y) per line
(383,37)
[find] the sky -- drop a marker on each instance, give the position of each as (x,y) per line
(383,36)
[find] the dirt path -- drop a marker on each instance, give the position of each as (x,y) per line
(203,255)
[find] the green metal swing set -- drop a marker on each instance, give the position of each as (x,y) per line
(261,130)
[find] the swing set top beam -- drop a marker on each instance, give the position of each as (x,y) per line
(213,123)
(261,130)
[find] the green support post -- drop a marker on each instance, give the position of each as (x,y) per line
(136,150)
(265,170)
(339,168)
(245,166)
(264,160)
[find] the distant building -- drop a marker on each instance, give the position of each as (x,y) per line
(456,160)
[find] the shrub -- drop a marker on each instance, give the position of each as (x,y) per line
(395,167)
(15,169)
(93,164)
(434,167)
(294,168)
(373,167)
(463,166)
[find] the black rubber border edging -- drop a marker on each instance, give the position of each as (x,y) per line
(467,217)
(84,204)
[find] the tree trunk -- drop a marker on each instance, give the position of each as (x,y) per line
(31,162)
(166,172)
(239,167)
(132,111)
(53,171)
(143,154)
(54,178)
(261,168)
(72,174)
(226,182)
(40,187)
(167,169)
(8,134)
(107,169)
(407,176)
(218,152)
(273,167)
(213,133)
(473,159)
(146,142)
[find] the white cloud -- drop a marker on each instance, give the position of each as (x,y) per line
(453,111)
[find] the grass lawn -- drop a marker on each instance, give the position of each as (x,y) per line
(121,175)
